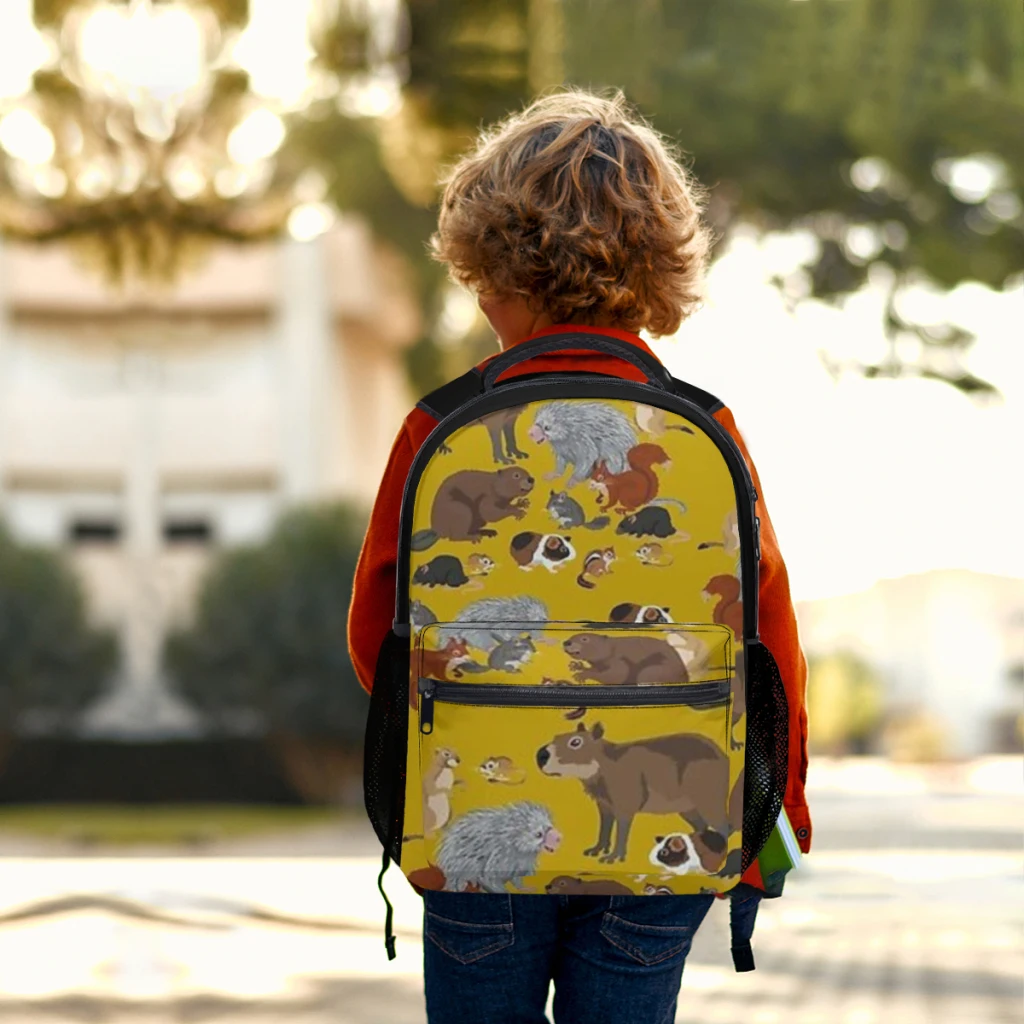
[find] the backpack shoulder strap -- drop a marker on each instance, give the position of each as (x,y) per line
(443,401)
(448,397)
(707,401)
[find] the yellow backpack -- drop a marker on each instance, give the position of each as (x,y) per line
(573,697)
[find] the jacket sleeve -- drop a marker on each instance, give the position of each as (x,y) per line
(373,589)
(778,628)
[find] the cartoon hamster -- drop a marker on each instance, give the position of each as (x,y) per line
(448,571)
(420,615)
(490,847)
(507,656)
(654,421)
(503,770)
(547,549)
(569,514)
(581,434)
(653,554)
(467,501)
(653,520)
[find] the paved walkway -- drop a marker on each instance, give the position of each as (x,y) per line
(909,911)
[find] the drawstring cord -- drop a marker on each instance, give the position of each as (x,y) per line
(389,934)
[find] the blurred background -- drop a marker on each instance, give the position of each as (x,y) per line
(216,306)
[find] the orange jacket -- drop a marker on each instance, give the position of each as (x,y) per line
(373,594)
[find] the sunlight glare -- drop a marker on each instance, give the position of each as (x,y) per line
(274,50)
(255,137)
(23,51)
(25,137)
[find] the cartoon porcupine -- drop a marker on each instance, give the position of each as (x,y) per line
(490,847)
(495,609)
(582,434)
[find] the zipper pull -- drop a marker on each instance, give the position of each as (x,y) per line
(426,690)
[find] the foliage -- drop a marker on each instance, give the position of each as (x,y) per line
(844,703)
(846,119)
(52,663)
(269,634)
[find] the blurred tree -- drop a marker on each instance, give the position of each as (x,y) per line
(844,703)
(52,663)
(891,129)
(267,650)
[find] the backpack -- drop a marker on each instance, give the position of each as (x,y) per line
(573,698)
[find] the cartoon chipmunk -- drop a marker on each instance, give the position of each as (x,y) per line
(637,485)
(598,563)
(438,782)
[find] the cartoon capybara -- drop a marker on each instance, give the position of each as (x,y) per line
(679,854)
(582,434)
(566,885)
(683,774)
(624,660)
(470,499)
(501,425)
(490,847)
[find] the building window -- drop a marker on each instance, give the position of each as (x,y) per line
(188,531)
(94,530)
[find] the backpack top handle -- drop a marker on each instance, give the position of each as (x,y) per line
(655,373)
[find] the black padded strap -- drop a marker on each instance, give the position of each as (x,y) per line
(651,367)
(704,399)
(448,397)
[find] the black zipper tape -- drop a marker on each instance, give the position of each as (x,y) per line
(705,694)
(556,386)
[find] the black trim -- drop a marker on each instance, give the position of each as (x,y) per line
(704,399)
(555,386)
(711,693)
(443,401)
(651,366)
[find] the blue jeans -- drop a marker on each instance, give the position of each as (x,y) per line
(489,959)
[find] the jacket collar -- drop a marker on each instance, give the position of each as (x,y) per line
(608,332)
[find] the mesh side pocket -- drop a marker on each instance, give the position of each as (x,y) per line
(384,750)
(767,750)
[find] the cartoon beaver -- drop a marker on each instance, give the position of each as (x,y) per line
(624,660)
(683,774)
(470,499)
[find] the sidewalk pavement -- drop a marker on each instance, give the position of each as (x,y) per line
(914,917)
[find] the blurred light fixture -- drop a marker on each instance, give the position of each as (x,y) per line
(136,129)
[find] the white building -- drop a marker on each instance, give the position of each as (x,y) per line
(948,641)
(143,431)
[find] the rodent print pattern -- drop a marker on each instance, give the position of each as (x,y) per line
(560,550)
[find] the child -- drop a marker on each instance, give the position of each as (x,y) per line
(571,212)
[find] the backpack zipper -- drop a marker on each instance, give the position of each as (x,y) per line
(715,691)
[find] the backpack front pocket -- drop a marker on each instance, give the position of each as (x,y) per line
(574,785)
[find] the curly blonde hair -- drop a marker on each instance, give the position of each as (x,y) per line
(581,207)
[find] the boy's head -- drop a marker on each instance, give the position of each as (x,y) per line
(579,211)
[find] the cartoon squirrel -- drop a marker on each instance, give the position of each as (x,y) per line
(437,664)
(637,485)
(597,563)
